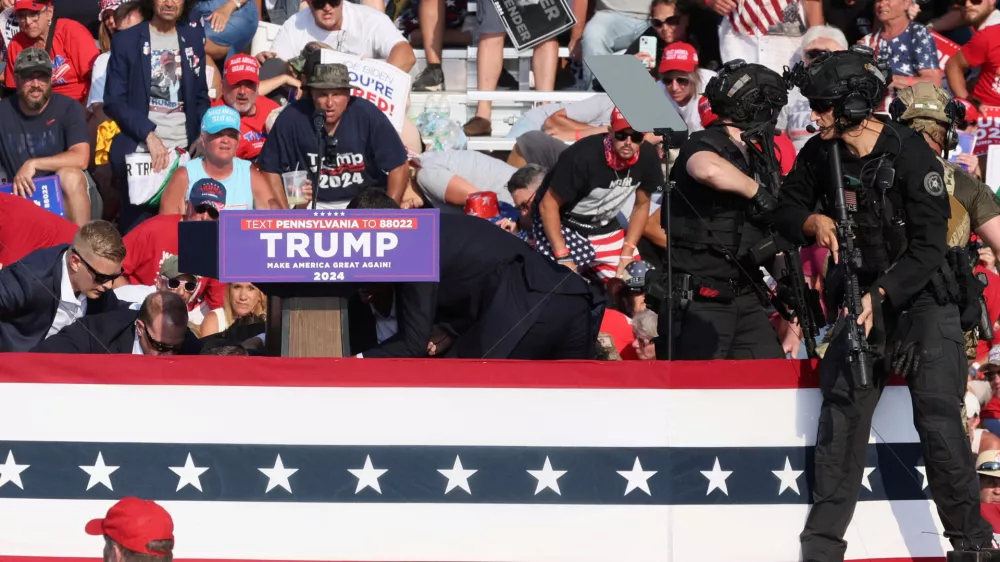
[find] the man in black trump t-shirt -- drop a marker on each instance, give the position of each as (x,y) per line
(576,219)
(44,134)
(362,149)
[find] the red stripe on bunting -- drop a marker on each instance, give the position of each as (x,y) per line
(441,373)
(95,559)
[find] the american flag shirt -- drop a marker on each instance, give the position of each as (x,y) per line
(909,52)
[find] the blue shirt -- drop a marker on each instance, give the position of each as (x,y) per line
(239,194)
(909,52)
(367,148)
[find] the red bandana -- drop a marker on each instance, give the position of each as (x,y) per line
(615,162)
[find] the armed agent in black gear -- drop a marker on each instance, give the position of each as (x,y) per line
(725,179)
(892,190)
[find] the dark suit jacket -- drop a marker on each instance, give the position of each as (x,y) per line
(491,284)
(126,97)
(29,297)
(110,332)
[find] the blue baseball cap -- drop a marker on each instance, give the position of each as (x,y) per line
(220,118)
(208,191)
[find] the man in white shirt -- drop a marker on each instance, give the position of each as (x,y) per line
(346,27)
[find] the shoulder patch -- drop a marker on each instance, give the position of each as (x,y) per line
(933,184)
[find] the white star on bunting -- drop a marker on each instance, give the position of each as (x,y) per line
(789,478)
(547,478)
(458,476)
(99,473)
(190,474)
(637,478)
(278,476)
(10,471)
(368,476)
(716,478)
(864,479)
(923,472)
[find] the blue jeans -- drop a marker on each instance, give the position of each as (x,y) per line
(240,28)
(608,32)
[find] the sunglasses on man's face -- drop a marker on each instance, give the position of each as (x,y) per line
(989,466)
(671,21)
(961,3)
(320,4)
(99,278)
(158,345)
(635,136)
(207,209)
(189,286)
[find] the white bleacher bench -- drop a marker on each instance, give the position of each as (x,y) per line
(489,144)
(530,96)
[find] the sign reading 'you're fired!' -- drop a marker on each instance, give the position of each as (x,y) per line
(305,246)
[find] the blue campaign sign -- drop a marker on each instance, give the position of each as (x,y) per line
(48,194)
(298,246)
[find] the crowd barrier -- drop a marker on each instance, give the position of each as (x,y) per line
(347,459)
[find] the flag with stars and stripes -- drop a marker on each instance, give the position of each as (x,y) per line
(407,460)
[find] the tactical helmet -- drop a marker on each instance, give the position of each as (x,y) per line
(929,109)
(852,81)
(746,93)
(636,272)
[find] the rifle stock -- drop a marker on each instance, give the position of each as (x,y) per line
(859,353)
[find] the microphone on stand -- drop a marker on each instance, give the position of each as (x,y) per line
(319,127)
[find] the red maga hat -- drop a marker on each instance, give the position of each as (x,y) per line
(134,523)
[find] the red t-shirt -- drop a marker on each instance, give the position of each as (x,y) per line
(981,51)
(252,129)
(154,240)
(619,327)
(73,55)
(26,227)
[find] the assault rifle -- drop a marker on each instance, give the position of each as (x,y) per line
(859,352)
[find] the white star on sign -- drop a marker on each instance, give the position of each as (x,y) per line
(547,478)
(923,472)
(368,476)
(278,476)
(10,471)
(99,473)
(789,478)
(458,476)
(315,214)
(637,478)
(864,479)
(716,478)
(189,474)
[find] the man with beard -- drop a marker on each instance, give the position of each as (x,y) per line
(240,83)
(156,92)
(576,217)
(44,134)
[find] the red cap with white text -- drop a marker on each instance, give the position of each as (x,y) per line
(31,5)
(618,122)
(241,68)
(678,56)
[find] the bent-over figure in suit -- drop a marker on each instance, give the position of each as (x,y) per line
(51,288)
(159,327)
(500,298)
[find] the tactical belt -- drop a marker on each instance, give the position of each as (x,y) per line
(715,290)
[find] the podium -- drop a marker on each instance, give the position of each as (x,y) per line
(309,263)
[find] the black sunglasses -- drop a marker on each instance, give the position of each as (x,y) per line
(961,3)
(158,345)
(99,278)
(813,54)
(672,20)
(189,286)
(320,4)
(989,466)
(634,136)
(206,208)
(682,81)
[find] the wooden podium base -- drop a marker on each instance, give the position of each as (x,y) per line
(307,327)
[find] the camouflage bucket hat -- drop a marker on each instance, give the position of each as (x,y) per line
(328,76)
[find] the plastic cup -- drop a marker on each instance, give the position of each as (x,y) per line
(294,182)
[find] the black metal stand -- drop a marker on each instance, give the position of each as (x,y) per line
(671,139)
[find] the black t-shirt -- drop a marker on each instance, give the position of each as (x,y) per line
(368,147)
(59,126)
(854,19)
(694,202)
(592,193)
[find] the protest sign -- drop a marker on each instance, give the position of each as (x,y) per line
(48,194)
(530,22)
(988,132)
(299,246)
(376,81)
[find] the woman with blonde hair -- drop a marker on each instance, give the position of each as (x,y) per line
(242,299)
